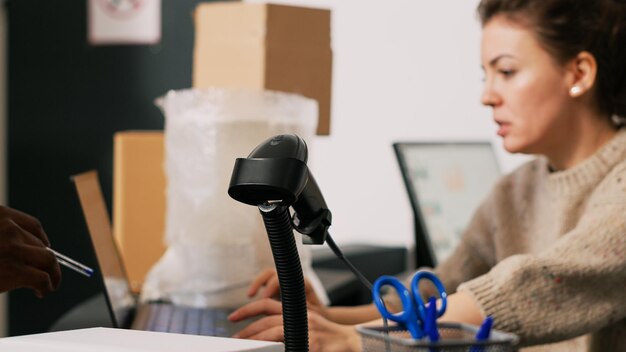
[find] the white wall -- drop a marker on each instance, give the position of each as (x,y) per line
(402,70)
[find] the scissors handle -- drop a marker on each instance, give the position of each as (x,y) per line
(421,306)
(408,317)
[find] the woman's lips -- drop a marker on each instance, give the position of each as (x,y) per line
(504,129)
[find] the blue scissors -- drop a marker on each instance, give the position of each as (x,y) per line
(415,315)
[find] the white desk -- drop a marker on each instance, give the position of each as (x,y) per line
(122,340)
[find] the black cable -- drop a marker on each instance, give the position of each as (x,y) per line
(333,246)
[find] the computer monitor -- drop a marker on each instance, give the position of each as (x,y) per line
(445,181)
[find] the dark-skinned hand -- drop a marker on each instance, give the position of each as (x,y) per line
(24,259)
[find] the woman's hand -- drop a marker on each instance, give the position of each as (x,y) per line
(268,280)
(324,335)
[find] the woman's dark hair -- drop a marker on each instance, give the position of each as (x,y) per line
(567,27)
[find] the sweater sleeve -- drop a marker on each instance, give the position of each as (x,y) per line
(575,286)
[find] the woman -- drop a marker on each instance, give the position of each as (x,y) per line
(545,254)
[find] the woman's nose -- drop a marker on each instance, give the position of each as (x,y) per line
(489,96)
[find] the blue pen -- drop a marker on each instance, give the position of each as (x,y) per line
(71,263)
(483,333)
(485,329)
(430,323)
(431,320)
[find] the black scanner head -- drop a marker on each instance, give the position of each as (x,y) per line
(282,146)
(275,172)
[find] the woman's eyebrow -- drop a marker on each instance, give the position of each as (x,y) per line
(495,60)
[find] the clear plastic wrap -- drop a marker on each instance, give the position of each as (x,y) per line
(215,244)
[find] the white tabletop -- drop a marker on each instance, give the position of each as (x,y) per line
(122,340)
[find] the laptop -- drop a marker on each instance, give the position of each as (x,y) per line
(446,182)
(124,309)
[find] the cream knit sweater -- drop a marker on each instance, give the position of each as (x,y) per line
(545,254)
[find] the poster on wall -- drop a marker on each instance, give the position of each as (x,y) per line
(112,22)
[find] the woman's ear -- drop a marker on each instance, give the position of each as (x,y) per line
(582,71)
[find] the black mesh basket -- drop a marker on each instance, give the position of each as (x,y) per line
(454,338)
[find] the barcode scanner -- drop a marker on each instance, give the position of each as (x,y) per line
(275,174)
(275,178)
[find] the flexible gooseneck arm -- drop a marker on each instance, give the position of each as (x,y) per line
(290,277)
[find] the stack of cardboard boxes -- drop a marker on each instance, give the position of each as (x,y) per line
(241,45)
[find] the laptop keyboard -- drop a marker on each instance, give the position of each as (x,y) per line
(166,317)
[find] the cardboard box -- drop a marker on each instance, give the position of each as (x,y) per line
(139,201)
(265,46)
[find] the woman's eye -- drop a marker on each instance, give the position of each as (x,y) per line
(506,73)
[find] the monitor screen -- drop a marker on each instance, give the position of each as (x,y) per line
(446,182)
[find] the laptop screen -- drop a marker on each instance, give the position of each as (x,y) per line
(445,182)
(118,292)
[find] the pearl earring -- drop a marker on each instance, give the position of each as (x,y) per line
(575,91)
